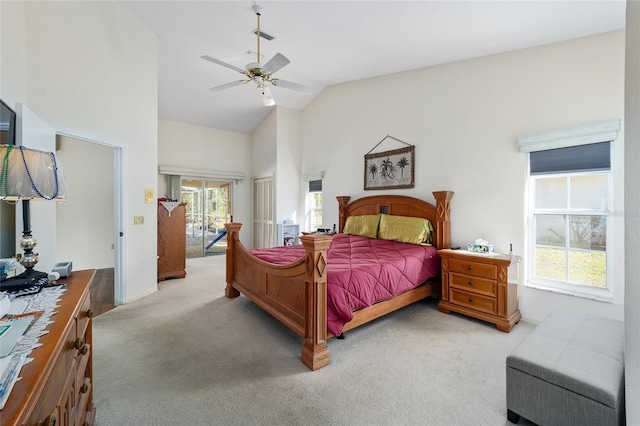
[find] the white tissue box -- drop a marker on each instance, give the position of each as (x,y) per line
(480,248)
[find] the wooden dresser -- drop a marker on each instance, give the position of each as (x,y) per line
(56,387)
(172,242)
(481,286)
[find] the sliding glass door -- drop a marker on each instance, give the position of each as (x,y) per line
(208,209)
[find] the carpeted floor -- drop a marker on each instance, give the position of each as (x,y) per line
(186,355)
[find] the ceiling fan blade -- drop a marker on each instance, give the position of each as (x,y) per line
(224,64)
(275,63)
(267,98)
(293,86)
(226,86)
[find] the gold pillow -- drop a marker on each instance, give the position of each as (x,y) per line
(404,229)
(365,225)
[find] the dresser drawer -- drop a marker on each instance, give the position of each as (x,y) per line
(473,284)
(51,401)
(83,361)
(84,392)
(477,269)
(84,315)
(473,301)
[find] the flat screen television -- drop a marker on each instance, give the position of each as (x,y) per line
(7,124)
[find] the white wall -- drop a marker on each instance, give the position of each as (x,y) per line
(91,67)
(275,150)
(11,70)
(264,146)
(632,213)
(196,147)
(464,119)
(85,222)
(13,74)
(288,171)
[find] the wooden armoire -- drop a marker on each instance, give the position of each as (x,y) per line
(172,240)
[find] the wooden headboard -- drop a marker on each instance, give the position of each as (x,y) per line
(400,205)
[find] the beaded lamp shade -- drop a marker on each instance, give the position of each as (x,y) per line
(25,175)
(30,174)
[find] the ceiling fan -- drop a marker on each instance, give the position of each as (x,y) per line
(261,74)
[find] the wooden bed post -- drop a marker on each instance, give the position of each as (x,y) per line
(233,231)
(315,353)
(443,221)
(342,212)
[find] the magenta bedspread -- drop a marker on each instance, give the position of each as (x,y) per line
(362,271)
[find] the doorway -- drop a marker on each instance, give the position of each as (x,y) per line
(208,209)
(85,223)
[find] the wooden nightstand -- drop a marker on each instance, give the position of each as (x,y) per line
(481,286)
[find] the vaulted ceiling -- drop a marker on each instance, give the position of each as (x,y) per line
(332,42)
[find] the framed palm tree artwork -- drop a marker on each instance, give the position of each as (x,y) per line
(389,169)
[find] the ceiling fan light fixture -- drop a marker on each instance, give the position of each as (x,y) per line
(267,98)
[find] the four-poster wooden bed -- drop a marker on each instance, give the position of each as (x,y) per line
(296,293)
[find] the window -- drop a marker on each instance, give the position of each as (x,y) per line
(570,229)
(569,201)
(314,205)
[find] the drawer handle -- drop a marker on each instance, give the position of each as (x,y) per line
(50,420)
(84,349)
(84,388)
(471,300)
(469,268)
(470,283)
(79,343)
(90,313)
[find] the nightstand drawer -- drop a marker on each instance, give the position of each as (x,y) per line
(473,301)
(477,269)
(473,284)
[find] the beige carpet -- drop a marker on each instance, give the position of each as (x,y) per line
(186,355)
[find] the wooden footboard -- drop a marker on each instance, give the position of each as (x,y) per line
(296,294)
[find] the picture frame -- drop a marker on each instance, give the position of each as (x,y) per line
(390,169)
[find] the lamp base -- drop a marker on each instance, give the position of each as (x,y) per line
(27,279)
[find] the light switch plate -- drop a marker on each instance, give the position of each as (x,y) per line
(138,220)
(148,196)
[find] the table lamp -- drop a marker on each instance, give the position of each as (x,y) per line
(29,174)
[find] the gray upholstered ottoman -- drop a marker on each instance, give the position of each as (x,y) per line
(568,371)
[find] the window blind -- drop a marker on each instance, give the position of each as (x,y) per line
(580,158)
(315,186)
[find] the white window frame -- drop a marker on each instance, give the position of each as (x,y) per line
(603,131)
(590,292)
(306,178)
(310,210)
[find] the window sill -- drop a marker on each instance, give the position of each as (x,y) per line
(597,295)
